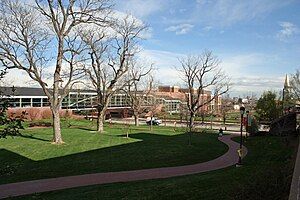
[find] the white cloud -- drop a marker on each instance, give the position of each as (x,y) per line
(16,77)
(249,75)
(228,12)
(182,10)
(165,63)
(288,30)
(257,84)
(207,28)
(142,8)
(180,29)
(202,2)
(237,67)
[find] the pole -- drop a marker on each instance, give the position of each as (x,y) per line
(247,119)
(241,141)
(242,110)
(283,93)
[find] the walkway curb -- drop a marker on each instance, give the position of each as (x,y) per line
(44,185)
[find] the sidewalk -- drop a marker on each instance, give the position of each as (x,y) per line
(229,127)
(36,186)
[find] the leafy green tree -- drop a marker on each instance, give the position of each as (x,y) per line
(8,125)
(268,107)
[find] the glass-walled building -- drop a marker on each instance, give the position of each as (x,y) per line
(170,98)
(21,97)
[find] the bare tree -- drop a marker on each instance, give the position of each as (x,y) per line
(201,73)
(227,106)
(155,106)
(110,55)
(295,85)
(139,88)
(32,36)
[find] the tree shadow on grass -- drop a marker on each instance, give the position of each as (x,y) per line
(144,150)
(34,138)
(83,128)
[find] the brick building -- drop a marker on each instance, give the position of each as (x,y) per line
(175,92)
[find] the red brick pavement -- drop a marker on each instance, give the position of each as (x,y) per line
(36,186)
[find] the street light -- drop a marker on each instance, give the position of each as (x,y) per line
(242,111)
(247,123)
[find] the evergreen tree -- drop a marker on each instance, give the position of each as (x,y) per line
(9,126)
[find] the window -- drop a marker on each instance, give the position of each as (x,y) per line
(15,102)
(36,102)
(45,102)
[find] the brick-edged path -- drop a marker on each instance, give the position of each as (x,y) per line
(44,185)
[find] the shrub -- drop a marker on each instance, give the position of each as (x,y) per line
(10,125)
(37,113)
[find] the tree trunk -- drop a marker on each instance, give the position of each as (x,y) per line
(136,119)
(151,123)
(55,103)
(191,121)
(100,119)
(191,124)
(57,138)
(224,122)
(211,121)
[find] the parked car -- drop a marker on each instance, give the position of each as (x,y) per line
(263,130)
(154,121)
(264,127)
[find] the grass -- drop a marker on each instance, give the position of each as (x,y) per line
(85,151)
(265,175)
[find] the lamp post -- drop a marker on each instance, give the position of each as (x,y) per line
(247,124)
(242,111)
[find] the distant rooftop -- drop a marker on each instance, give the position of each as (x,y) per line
(29,91)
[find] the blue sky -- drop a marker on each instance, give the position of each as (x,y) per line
(258,41)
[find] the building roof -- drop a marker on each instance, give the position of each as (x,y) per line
(22,91)
(29,91)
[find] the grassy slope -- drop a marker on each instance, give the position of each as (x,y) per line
(34,157)
(259,178)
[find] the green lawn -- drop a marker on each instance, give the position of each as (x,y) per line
(265,175)
(85,151)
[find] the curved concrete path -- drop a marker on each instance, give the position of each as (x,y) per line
(36,186)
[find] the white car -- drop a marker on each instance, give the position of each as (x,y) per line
(264,127)
(154,121)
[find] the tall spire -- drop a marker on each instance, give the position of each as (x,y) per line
(286,82)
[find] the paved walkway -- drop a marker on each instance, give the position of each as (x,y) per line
(36,186)
(215,126)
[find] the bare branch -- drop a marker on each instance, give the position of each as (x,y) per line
(204,79)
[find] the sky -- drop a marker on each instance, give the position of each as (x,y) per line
(257,41)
